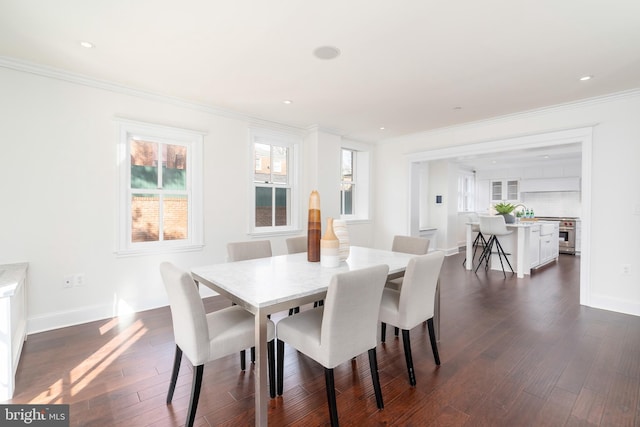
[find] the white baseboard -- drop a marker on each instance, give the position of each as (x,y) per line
(614,304)
(62,319)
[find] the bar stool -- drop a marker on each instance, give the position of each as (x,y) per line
(475,228)
(493,226)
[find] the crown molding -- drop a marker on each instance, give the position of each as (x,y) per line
(80,79)
(586,102)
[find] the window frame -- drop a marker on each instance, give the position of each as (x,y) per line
(466,199)
(193,141)
(281,139)
(361,180)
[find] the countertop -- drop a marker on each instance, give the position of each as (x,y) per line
(10,277)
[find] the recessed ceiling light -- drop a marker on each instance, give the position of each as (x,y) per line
(287,101)
(585,78)
(86,44)
(381,127)
(457,108)
(326,52)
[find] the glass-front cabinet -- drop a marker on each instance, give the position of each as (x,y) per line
(504,190)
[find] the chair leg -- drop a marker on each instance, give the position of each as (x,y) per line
(486,254)
(174,374)
(243,362)
(375,377)
(505,257)
(331,396)
(195,394)
(253,355)
(383,332)
(280,367)
(432,338)
(407,355)
(396,331)
(271,362)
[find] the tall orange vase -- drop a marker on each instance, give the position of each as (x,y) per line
(314,228)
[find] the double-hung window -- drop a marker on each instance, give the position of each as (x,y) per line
(274,192)
(354,183)
(466,191)
(160,188)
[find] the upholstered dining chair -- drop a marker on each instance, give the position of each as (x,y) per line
(494,226)
(408,245)
(204,337)
(242,251)
(296,245)
(344,327)
(413,304)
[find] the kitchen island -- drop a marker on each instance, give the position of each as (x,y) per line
(531,244)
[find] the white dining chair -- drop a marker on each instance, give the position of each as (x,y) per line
(408,245)
(296,245)
(413,304)
(340,330)
(203,337)
(494,226)
(242,251)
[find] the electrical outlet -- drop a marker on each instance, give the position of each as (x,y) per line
(67,282)
(626,269)
(79,279)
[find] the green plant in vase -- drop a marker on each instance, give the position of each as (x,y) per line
(505,210)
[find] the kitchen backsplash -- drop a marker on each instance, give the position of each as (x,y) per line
(561,203)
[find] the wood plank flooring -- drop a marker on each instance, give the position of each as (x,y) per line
(514,353)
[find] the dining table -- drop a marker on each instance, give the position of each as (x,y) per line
(269,285)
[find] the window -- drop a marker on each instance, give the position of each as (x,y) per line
(274,179)
(466,192)
(354,183)
(160,189)
(347,183)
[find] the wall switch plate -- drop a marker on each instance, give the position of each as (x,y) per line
(626,269)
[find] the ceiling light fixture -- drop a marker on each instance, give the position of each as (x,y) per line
(585,78)
(287,101)
(326,52)
(87,45)
(381,127)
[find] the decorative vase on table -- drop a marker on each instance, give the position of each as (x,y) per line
(508,218)
(329,247)
(314,228)
(342,233)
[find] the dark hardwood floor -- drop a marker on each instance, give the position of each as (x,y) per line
(514,353)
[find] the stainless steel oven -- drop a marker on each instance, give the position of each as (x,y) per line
(566,235)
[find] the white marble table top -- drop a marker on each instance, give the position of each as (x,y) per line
(266,282)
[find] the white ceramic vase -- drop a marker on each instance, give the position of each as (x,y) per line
(342,233)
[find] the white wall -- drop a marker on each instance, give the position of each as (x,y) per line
(59,187)
(615,178)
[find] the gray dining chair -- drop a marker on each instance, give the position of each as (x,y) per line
(296,245)
(413,304)
(344,327)
(242,251)
(203,337)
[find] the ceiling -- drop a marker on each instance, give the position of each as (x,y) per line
(407,65)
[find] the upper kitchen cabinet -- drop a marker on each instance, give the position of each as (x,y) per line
(504,190)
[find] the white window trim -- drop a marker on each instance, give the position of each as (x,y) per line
(466,174)
(362,179)
(164,134)
(293,142)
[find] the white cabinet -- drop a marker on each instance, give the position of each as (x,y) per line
(549,248)
(534,246)
(13,324)
(504,189)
